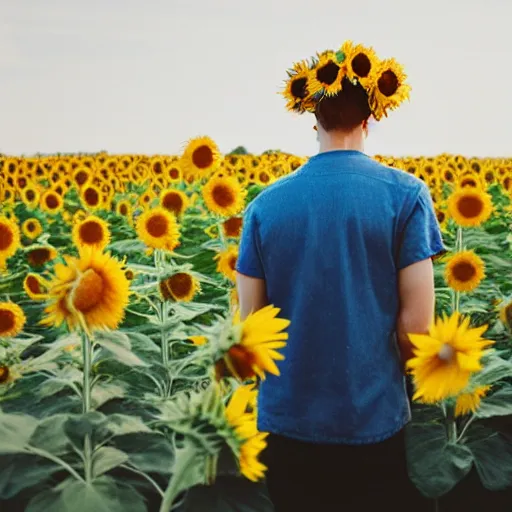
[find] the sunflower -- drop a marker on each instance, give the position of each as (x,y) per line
(146,198)
(51,202)
(158,229)
(470,206)
(174,173)
(174,201)
(224,196)
(91,231)
(35,286)
(226,264)
(464,271)
(361,63)
(389,89)
(12,319)
(470,401)
(244,425)
(32,228)
(9,239)
(256,340)
(181,286)
(506,315)
(445,359)
(232,227)
(297,90)
(198,340)
(91,197)
(30,196)
(326,76)
(124,208)
(200,157)
(39,255)
(92,286)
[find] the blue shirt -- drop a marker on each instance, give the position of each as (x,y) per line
(329,240)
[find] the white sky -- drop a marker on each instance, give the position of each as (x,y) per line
(143,76)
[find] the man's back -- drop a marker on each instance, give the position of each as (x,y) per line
(329,241)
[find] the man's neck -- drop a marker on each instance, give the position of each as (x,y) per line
(332,141)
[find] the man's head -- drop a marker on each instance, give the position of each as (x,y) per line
(346,111)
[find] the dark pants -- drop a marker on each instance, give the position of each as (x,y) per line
(324,478)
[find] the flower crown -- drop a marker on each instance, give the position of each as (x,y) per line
(383,80)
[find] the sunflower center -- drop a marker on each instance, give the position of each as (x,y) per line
(123,209)
(440,216)
(464,271)
(327,74)
(232,262)
(33,285)
(180,284)
(470,206)
(298,88)
(38,257)
(202,157)
(89,291)
(7,320)
(6,237)
(157,226)
(91,196)
(448,176)
(388,83)
(233,226)
(52,201)
(361,65)
(173,202)
(81,177)
(264,177)
(31,226)
(4,373)
(30,195)
(489,176)
(157,167)
(223,195)
(174,173)
(446,352)
(91,232)
(242,361)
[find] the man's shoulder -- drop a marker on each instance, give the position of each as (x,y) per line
(396,177)
(275,192)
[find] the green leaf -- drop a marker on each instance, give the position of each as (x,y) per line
(15,431)
(435,466)
(20,471)
(497,404)
(120,424)
(493,461)
(119,345)
(107,458)
(103,392)
(229,494)
(127,246)
(494,369)
(46,501)
(151,453)
(50,435)
(142,342)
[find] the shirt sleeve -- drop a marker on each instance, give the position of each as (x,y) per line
(249,260)
(421,237)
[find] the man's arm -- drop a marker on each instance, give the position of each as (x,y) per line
(417,303)
(252,294)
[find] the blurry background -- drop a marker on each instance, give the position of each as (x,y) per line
(143,76)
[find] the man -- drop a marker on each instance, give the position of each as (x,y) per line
(344,247)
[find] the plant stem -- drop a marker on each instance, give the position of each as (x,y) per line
(179,475)
(466,426)
(53,458)
(86,401)
(451,425)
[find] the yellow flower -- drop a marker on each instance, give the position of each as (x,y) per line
(506,314)
(326,76)
(9,239)
(51,202)
(181,286)
(32,228)
(469,206)
(445,359)
(198,340)
(12,319)
(91,197)
(260,334)
(30,196)
(464,271)
(39,255)
(174,201)
(389,89)
(232,227)
(35,286)
(224,196)
(158,229)
(200,157)
(297,89)
(226,264)
(244,425)
(93,285)
(361,63)
(470,402)
(92,231)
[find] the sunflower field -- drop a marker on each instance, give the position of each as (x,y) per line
(128,381)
